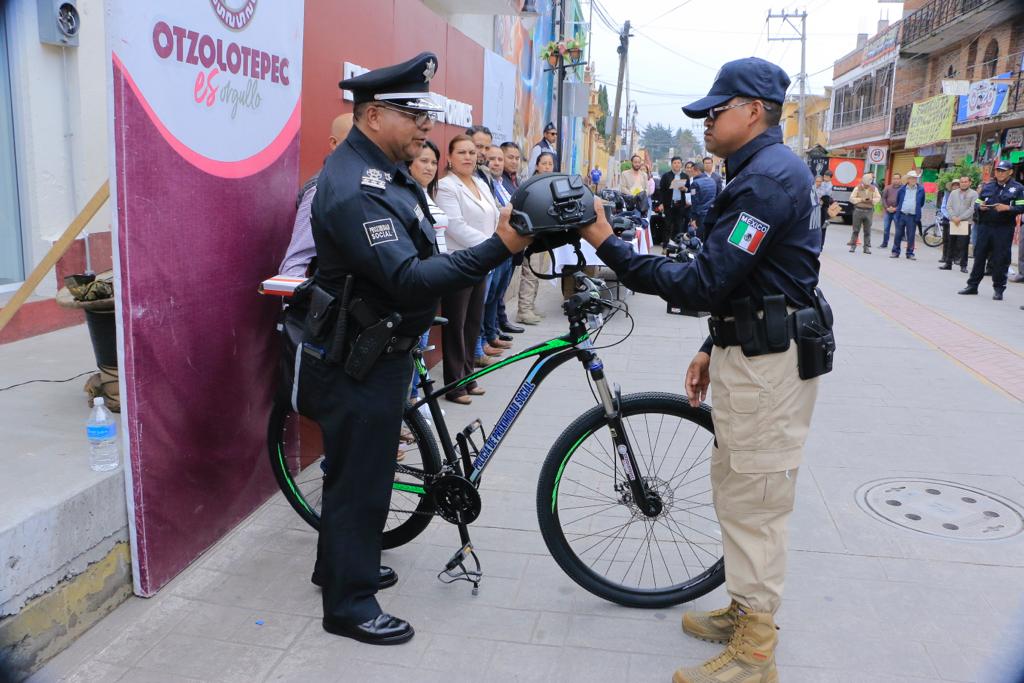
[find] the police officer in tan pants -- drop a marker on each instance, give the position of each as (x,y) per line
(770,339)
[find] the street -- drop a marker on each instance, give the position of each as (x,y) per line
(927,391)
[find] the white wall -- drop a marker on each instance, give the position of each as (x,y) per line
(60,113)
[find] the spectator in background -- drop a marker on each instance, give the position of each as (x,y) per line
(960,207)
(651,185)
(864,198)
(824,194)
(703,191)
(943,216)
(481,136)
(890,206)
(595,178)
(826,182)
(298,258)
(545,146)
(491,336)
(672,191)
(528,281)
(709,169)
(910,200)
(510,180)
(633,181)
(472,218)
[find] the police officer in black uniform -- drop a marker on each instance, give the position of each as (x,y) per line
(770,338)
(377,286)
(999,203)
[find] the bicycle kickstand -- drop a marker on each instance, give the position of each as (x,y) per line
(455,569)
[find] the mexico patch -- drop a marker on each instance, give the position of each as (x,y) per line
(748,233)
(379,232)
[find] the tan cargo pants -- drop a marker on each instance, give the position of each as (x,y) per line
(762,412)
(529,282)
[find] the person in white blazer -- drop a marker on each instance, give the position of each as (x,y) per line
(472,218)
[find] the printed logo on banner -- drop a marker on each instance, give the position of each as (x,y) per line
(748,233)
(234,18)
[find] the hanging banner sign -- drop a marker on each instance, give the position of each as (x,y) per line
(205,102)
(955,87)
(930,121)
(877,155)
(1014,137)
(983,100)
(960,147)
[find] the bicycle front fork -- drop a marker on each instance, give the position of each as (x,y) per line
(646,500)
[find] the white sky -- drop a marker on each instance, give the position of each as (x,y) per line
(713,32)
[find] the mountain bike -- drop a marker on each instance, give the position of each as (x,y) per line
(931,234)
(623,496)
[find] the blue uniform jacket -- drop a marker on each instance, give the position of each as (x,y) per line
(370,219)
(704,189)
(1011,194)
(763,238)
(920,200)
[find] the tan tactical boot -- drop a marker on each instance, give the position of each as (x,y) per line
(715,627)
(748,658)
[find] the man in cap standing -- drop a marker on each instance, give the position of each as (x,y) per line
(378,266)
(547,144)
(1000,201)
(758,275)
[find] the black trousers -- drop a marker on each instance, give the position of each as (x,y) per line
(957,252)
(993,245)
(360,422)
(465,312)
(678,216)
(944,222)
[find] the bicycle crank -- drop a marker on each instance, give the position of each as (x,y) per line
(455,499)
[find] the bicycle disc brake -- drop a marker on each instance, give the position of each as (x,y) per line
(455,499)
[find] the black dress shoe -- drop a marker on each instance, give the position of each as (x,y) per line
(510,328)
(388,578)
(963,269)
(505,337)
(968,290)
(997,295)
(381,630)
(946,266)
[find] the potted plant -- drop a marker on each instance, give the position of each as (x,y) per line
(551,53)
(574,46)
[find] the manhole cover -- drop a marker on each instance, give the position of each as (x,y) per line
(942,508)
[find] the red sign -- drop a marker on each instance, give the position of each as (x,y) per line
(846,172)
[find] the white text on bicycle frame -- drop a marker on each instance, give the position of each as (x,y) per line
(504,423)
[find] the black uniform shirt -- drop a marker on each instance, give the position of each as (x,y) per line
(370,219)
(762,238)
(1011,194)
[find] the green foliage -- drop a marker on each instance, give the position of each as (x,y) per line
(657,140)
(962,169)
(625,165)
(602,120)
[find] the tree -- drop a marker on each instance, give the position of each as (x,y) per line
(687,145)
(657,140)
(602,120)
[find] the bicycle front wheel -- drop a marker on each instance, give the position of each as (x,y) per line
(599,536)
(932,235)
(296,458)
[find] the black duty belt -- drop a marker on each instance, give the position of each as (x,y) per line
(723,332)
(400,345)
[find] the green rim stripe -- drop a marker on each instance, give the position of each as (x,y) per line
(561,468)
(409,488)
(547,346)
(291,483)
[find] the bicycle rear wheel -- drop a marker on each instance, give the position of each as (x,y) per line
(296,458)
(599,536)
(932,235)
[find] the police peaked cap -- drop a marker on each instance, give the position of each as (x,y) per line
(405,85)
(750,77)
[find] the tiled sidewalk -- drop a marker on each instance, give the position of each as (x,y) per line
(865,601)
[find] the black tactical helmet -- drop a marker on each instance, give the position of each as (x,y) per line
(550,207)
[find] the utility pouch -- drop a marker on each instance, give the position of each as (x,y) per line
(339,336)
(368,346)
(321,308)
(749,330)
(775,324)
(815,344)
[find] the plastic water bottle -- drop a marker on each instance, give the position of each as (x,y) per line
(102,432)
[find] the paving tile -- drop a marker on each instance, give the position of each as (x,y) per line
(95,671)
(209,660)
(146,631)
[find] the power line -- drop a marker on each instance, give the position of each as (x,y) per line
(648,37)
(679,6)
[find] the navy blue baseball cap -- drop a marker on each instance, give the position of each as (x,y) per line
(750,77)
(1004,165)
(405,85)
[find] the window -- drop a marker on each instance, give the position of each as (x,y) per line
(972,57)
(991,59)
(12,262)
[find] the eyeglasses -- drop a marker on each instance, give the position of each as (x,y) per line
(713,113)
(419,118)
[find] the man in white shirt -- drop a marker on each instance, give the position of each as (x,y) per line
(634,181)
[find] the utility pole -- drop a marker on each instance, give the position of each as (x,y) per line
(623,51)
(787,18)
(561,84)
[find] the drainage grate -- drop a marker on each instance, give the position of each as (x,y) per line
(942,508)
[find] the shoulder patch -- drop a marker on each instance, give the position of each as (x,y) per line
(748,233)
(373,177)
(380,231)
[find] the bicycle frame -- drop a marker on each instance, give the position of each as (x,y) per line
(548,356)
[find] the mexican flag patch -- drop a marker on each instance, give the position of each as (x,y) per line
(748,233)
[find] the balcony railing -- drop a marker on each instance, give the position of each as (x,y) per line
(936,14)
(1014,104)
(854,117)
(901,119)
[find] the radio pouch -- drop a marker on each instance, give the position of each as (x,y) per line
(815,344)
(368,346)
(321,305)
